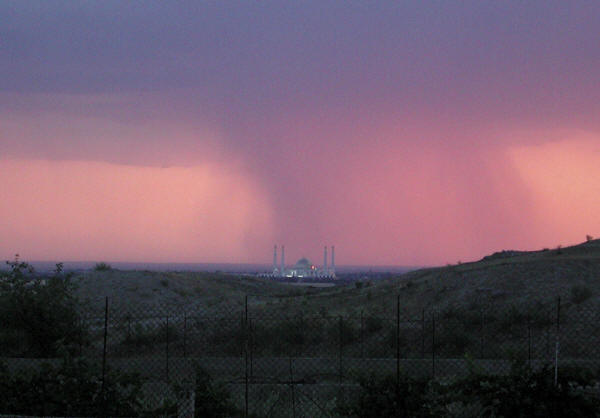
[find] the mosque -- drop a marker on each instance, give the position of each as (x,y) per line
(303,267)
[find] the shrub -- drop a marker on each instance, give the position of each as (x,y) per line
(521,393)
(343,332)
(212,398)
(71,388)
(44,311)
(373,324)
(528,393)
(382,397)
(102,266)
(148,335)
(580,294)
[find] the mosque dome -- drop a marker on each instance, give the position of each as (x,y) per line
(303,264)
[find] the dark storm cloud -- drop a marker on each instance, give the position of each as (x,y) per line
(308,95)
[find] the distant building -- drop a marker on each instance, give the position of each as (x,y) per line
(303,267)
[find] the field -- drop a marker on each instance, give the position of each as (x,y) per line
(278,348)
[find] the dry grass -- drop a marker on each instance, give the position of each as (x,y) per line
(517,280)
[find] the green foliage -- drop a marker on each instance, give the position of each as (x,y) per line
(71,388)
(41,312)
(386,397)
(521,393)
(528,393)
(286,337)
(373,324)
(342,331)
(580,294)
(147,336)
(102,266)
(512,317)
(212,399)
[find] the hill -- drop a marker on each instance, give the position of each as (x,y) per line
(503,278)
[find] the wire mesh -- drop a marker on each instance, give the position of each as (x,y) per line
(250,362)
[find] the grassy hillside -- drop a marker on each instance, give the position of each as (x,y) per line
(174,290)
(504,278)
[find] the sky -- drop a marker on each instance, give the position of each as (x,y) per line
(403,133)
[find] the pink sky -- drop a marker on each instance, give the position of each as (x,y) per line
(414,207)
(403,134)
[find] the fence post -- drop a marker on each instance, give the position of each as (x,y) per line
(433,345)
(301,339)
(548,329)
(292,389)
(423,333)
(185,335)
(557,342)
(362,343)
(398,350)
(167,348)
(104,356)
(81,326)
(246,356)
(529,339)
(251,336)
(481,331)
(340,348)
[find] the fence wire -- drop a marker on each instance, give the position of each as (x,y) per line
(140,361)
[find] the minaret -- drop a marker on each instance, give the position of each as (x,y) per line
(332,260)
(282,272)
(274,259)
(325,261)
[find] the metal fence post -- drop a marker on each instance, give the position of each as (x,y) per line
(292,389)
(481,331)
(423,333)
(548,329)
(167,349)
(251,336)
(433,345)
(398,349)
(362,343)
(104,356)
(246,355)
(529,339)
(340,348)
(185,335)
(557,348)
(81,327)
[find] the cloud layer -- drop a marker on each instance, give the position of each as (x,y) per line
(405,133)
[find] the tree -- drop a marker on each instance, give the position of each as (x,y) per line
(39,314)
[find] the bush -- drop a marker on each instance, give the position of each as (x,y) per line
(71,388)
(373,324)
(102,266)
(382,397)
(580,294)
(527,393)
(43,311)
(521,393)
(212,398)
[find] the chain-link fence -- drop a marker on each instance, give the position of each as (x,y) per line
(248,361)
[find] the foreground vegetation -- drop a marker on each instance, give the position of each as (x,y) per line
(521,393)
(478,314)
